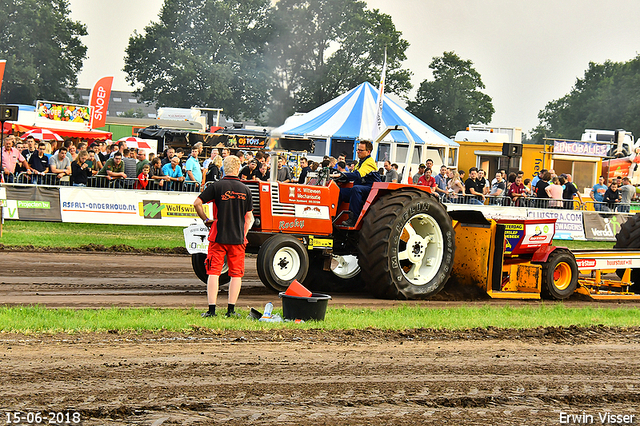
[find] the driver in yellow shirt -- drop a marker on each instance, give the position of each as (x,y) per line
(363,177)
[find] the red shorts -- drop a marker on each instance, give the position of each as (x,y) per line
(235,259)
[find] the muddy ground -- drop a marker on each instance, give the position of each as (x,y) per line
(370,377)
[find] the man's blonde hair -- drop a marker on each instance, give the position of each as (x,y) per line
(231,165)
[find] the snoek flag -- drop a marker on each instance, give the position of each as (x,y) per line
(99,100)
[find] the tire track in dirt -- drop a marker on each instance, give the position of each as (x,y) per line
(325,378)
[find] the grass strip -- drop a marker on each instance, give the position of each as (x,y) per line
(58,234)
(38,319)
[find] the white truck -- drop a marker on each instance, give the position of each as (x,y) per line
(624,153)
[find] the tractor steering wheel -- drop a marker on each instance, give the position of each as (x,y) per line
(339,177)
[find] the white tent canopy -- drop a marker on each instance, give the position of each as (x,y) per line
(352,115)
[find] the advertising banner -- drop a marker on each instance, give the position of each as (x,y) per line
(568,222)
(99,101)
(493,212)
(603,226)
(521,237)
(3,203)
(63,112)
(127,207)
(32,203)
(218,140)
(580,148)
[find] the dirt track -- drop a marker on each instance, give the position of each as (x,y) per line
(475,377)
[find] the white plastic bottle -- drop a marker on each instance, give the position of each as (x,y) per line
(268,309)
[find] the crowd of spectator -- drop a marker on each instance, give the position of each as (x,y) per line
(115,165)
(615,197)
(545,190)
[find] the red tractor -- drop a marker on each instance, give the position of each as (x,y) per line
(402,245)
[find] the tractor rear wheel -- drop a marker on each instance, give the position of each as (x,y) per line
(197,263)
(559,275)
(282,259)
(343,274)
(629,238)
(406,245)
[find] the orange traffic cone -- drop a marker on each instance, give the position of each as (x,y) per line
(297,289)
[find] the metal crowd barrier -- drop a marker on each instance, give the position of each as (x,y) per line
(49,179)
(505,201)
(100,181)
(599,206)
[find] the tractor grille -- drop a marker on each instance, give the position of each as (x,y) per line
(278,208)
(255,197)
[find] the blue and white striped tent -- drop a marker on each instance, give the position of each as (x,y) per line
(351,116)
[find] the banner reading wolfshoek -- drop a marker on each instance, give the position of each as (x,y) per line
(603,226)
(568,222)
(127,207)
(377,123)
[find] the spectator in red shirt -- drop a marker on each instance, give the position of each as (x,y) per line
(143,177)
(517,191)
(427,180)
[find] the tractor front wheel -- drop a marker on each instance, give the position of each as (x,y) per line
(282,259)
(197,263)
(629,238)
(559,275)
(406,245)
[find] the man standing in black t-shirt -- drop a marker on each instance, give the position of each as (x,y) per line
(232,210)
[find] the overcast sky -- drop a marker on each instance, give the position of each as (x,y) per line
(527,52)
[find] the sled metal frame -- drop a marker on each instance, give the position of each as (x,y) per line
(599,262)
(480,260)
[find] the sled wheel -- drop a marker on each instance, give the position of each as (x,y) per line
(197,262)
(559,275)
(282,259)
(343,274)
(629,238)
(406,245)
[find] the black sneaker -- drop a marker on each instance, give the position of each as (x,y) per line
(349,223)
(207,314)
(351,220)
(232,315)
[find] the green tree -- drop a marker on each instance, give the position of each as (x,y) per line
(607,97)
(453,99)
(323,48)
(133,113)
(205,53)
(43,50)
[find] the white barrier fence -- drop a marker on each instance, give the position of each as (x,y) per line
(163,208)
(97,205)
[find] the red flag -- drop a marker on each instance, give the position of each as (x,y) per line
(2,64)
(99,100)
